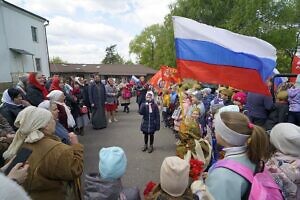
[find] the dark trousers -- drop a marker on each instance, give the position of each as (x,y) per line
(146,136)
(294,118)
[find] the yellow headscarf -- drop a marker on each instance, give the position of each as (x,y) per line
(29,121)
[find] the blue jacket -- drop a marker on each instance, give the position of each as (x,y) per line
(62,133)
(258,105)
(151,121)
(224,184)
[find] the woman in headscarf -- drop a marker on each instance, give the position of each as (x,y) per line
(22,84)
(36,91)
(78,109)
(12,104)
(65,117)
(56,84)
(55,168)
(60,130)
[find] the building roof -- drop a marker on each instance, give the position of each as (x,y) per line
(23,10)
(103,69)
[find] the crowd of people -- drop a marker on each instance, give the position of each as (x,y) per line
(226,139)
(232,144)
(45,117)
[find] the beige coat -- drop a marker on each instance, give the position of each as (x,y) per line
(55,169)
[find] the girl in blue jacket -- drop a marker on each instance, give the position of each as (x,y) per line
(151,120)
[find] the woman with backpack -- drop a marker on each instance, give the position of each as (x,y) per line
(245,146)
(126,95)
(284,164)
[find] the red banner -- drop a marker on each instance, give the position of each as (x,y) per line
(164,78)
(295,67)
(170,74)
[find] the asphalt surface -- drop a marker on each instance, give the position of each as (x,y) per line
(142,167)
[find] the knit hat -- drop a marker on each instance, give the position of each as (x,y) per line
(112,163)
(206,90)
(230,108)
(174,175)
(282,95)
(240,97)
(9,189)
(286,138)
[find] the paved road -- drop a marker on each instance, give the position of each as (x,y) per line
(142,166)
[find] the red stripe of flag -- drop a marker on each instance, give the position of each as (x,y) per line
(240,78)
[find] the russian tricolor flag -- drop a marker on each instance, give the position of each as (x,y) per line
(215,55)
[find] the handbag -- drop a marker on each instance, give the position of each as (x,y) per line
(84,110)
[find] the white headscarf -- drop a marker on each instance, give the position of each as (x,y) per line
(55,95)
(45,104)
(7,99)
(78,81)
(29,121)
(152,98)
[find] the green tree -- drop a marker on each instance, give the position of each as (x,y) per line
(274,21)
(112,56)
(57,60)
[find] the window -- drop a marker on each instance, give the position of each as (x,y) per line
(34,33)
(38,64)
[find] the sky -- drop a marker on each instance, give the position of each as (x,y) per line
(80,30)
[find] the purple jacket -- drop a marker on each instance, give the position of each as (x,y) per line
(294,99)
(258,105)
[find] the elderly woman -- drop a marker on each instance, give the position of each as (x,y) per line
(12,104)
(111,100)
(55,168)
(60,130)
(65,117)
(36,90)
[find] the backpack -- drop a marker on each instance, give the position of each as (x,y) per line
(126,94)
(263,186)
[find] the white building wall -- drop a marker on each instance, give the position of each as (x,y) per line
(17,34)
(4,53)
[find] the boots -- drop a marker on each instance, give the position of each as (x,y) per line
(145,147)
(150,150)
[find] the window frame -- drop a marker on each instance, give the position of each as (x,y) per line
(38,65)
(34,34)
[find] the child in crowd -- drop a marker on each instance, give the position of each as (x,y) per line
(108,185)
(285,162)
(243,143)
(225,95)
(240,99)
(151,120)
(174,181)
(166,99)
(294,101)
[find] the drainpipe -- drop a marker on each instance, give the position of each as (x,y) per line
(46,24)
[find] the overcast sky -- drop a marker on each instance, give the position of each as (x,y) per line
(80,30)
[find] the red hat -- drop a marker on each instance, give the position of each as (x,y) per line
(240,97)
